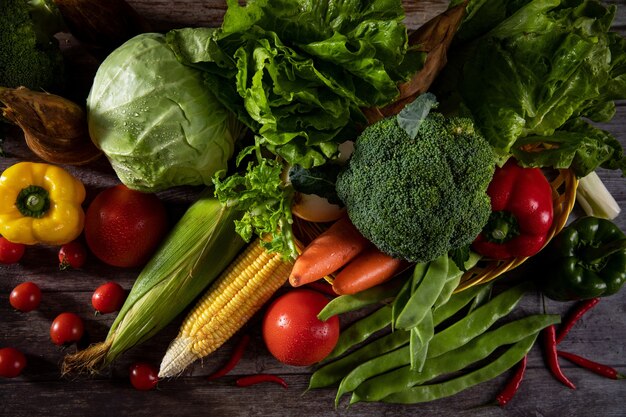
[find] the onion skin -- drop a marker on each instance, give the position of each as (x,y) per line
(316,209)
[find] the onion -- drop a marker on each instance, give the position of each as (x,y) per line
(313,208)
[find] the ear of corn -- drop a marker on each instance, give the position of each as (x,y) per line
(193,255)
(230,302)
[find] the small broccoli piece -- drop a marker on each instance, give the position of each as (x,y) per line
(29,54)
(417,199)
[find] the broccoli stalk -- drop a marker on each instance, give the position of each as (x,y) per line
(419,193)
(29,53)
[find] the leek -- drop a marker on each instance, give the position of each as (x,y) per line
(595,199)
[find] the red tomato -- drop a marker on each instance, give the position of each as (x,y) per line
(10,253)
(292,331)
(123,227)
(12,362)
(25,297)
(73,255)
(66,328)
(108,298)
(143,376)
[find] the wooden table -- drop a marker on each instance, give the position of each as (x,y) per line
(601,335)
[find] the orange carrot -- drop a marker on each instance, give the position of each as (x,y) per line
(370,268)
(328,252)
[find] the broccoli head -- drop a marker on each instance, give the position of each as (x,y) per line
(29,54)
(419,198)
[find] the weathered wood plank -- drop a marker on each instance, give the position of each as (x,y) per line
(165,14)
(195,396)
(600,335)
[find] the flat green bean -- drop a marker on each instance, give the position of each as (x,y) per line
(424,393)
(365,370)
(454,278)
(377,388)
(404,295)
(421,335)
(477,322)
(371,296)
(455,304)
(424,295)
(481,298)
(444,341)
(361,330)
(333,372)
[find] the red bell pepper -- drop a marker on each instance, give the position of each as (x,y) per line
(522,212)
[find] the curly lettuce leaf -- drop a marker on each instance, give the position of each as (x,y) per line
(298,72)
(265,200)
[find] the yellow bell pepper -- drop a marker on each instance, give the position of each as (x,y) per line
(40,203)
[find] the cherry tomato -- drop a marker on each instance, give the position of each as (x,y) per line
(72,255)
(292,331)
(66,328)
(12,362)
(108,298)
(10,253)
(123,227)
(143,376)
(25,297)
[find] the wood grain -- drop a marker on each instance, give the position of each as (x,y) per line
(601,335)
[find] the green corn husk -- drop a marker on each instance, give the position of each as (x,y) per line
(196,251)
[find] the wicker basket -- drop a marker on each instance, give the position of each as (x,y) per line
(563,197)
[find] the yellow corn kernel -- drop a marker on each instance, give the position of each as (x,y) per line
(231,301)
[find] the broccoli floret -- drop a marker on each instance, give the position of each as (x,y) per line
(420,198)
(29,54)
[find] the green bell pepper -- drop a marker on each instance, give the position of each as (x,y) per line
(586,260)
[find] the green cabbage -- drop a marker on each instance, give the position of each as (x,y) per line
(156,120)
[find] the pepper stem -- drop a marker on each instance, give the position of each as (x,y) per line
(593,255)
(33,201)
(501,227)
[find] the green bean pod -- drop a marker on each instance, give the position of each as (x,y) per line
(361,330)
(456,302)
(375,366)
(477,322)
(371,296)
(403,297)
(454,278)
(425,393)
(448,339)
(424,295)
(377,388)
(333,372)
(421,335)
(482,297)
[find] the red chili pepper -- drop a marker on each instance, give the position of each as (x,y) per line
(322,287)
(513,385)
(579,310)
(234,359)
(549,334)
(247,381)
(522,212)
(598,368)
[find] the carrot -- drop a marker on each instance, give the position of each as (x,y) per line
(370,268)
(328,252)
